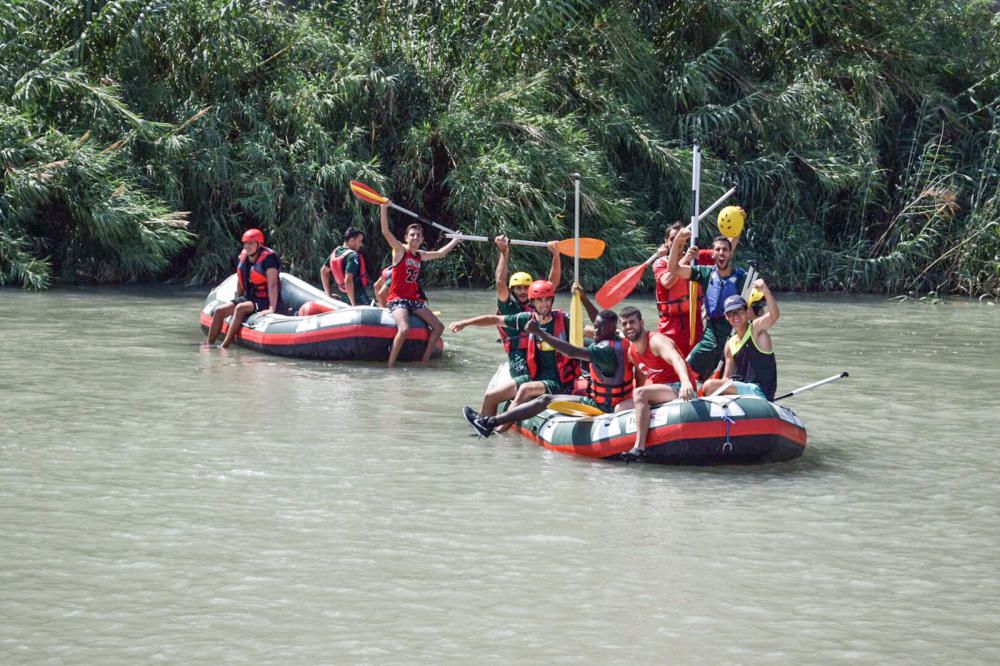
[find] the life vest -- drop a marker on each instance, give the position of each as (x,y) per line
(568,367)
(518,342)
(405,279)
(751,364)
(609,391)
(657,370)
(719,289)
(254,274)
(674,301)
(337,268)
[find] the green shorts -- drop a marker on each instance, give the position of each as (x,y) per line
(709,352)
(551,385)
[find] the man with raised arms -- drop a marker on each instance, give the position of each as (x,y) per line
(665,373)
(719,282)
(749,353)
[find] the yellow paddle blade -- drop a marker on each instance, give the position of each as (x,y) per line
(576,321)
(590,248)
(570,408)
(365,193)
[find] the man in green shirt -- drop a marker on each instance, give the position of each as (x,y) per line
(512,298)
(719,282)
(347,266)
(610,373)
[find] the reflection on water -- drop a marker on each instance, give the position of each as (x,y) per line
(166,501)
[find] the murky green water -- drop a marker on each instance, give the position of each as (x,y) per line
(165,502)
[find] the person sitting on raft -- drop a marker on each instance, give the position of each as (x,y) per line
(546,370)
(673,293)
(512,298)
(610,382)
(749,353)
(719,283)
(258,288)
(347,265)
(405,295)
(382,286)
(665,374)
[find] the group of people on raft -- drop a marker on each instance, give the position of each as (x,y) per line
(628,368)
(632,367)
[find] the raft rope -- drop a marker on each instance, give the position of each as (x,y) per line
(727,447)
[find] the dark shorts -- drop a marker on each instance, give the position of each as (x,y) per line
(405,304)
(258,303)
(551,385)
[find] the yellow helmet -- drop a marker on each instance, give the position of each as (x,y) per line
(520,280)
(731,219)
(755,297)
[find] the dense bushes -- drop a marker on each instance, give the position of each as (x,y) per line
(864,135)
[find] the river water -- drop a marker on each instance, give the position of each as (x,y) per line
(164,502)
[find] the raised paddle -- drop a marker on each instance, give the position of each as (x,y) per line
(570,408)
(590,248)
(623,284)
(367,194)
(576,305)
(693,313)
(810,387)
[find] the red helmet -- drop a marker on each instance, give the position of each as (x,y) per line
(541,289)
(253,236)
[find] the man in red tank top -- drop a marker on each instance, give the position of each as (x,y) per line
(405,296)
(667,375)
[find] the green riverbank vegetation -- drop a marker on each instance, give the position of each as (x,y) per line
(138,139)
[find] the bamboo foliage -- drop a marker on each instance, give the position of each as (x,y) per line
(863,135)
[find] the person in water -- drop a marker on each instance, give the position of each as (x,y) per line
(749,353)
(512,298)
(547,371)
(611,373)
(719,282)
(405,295)
(347,265)
(673,293)
(258,288)
(665,374)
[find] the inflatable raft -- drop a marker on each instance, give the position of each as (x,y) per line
(328,329)
(719,430)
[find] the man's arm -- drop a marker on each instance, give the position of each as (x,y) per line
(770,318)
(273,289)
(591,309)
(441,253)
(674,260)
(561,346)
(481,320)
(555,270)
(390,238)
(503,261)
(730,363)
(349,286)
(324,277)
(666,350)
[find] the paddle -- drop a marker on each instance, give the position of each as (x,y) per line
(693,286)
(623,284)
(590,248)
(576,305)
(367,194)
(570,408)
(809,387)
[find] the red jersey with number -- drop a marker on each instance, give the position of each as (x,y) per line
(655,368)
(405,279)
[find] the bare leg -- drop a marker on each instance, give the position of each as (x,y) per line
(218,318)
(402,317)
(525,392)
(628,403)
(527,410)
(493,398)
(436,329)
(242,311)
(712,385)
(645,396)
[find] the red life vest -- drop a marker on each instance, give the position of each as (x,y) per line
(568,367)
(520,341)
(337,268)
(657,370)
(405,278)
(609,391)
(675,300)
(257,274)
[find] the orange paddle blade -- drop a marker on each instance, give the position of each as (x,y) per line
(620,286)
(590,248)
(366,193)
